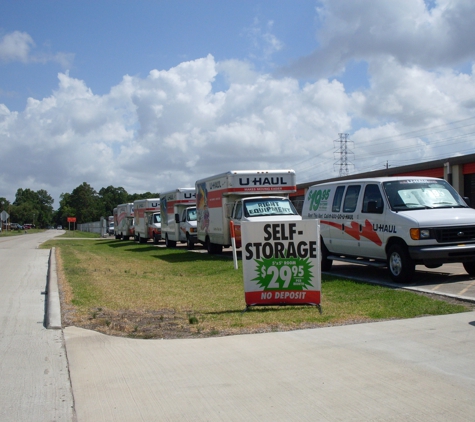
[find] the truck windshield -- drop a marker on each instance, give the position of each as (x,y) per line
(191,214)
(416,194)
(263,207)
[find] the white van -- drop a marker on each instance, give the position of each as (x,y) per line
(397,222)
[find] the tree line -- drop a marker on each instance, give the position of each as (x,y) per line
(84,203)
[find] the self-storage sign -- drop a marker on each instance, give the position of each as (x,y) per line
(281,262)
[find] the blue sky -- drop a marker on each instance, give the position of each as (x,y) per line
(153,95)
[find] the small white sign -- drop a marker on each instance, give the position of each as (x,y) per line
(281,262)
(4,215)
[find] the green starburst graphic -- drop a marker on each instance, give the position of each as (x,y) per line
(284,273)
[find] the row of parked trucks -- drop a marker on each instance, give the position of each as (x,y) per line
(204,214)
(396,222)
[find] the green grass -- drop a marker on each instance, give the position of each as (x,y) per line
(204,295)
(79,234)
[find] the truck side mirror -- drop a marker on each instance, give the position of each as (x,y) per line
(177,218)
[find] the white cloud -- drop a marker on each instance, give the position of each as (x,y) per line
(406,30)
(263,42)
(17,47)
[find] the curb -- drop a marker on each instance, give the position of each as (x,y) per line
(53,306)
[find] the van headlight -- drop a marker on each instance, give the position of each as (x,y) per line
(420,234)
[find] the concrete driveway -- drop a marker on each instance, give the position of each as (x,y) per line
(34,373)
(410,370)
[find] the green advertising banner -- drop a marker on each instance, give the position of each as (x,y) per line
(281,262)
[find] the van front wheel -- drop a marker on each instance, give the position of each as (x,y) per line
(469,267)
(401,266)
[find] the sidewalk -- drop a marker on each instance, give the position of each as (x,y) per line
(407,370)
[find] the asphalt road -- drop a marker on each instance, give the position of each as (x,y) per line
(34,376)
(448,280)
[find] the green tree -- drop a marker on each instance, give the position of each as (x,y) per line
(32,207)
(110,197)
(133,197)
(86,204)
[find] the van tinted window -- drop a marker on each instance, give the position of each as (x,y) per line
(372,200)
(336,207)
(351,198)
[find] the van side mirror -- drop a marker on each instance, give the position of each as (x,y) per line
(467,200)
(177,218)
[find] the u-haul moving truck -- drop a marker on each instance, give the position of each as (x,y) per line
(147,223)
(397,222)
(179,217)
(241,196)
(124,228)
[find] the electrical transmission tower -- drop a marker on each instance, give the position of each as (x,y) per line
(342,150)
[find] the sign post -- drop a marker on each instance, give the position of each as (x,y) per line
(4,217)
(71,220)
(281,263)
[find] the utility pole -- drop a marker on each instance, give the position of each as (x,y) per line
(341,148)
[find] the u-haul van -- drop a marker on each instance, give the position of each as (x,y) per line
(147,223)
(398,222)
(179,217)
(124,228)
(241,196)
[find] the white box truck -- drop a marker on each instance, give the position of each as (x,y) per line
(147,221)
(124,221)
(393,222)
(241,195)
(179,217)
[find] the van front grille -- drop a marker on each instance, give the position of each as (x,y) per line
(455,234)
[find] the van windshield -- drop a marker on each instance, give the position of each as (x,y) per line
(416,194)
(264,207)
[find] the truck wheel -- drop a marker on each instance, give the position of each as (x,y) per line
(469,267)
(155,239)
(212,248)
(326,264)
(189,243)
(169,243)
(142,240)
(208,245)
(400,265)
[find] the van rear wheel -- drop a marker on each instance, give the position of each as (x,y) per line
(400,265)
(326,264)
